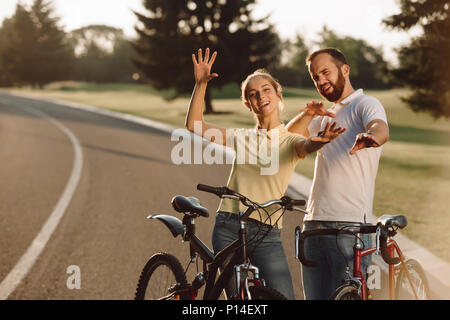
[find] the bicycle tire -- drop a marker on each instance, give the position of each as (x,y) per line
(265,293)
(346,292)
(173,273)
(403,288)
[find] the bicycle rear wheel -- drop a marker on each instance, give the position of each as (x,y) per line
(403,288)
(160,279)
(346,292)
(265,293)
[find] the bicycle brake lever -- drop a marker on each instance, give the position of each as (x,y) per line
(377,240)
(249,296)
(299,210)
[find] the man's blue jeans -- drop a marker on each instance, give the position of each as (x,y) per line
(333,254)
(268,256)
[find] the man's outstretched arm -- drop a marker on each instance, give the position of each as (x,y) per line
(376,135)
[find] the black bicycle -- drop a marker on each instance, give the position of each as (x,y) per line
(164,278)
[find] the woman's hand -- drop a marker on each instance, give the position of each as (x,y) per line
(314,108)
(202,66)
(329,133)
(312,144)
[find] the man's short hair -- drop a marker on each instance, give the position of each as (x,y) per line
(338,56)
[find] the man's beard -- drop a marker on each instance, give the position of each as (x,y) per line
(338,88)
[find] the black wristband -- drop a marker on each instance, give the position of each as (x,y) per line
(320,135)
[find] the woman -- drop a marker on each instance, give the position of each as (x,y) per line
(262,95)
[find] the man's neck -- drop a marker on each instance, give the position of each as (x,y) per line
(348,90)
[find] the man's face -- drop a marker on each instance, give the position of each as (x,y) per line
(327,77)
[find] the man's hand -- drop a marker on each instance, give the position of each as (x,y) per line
(314,108)
(364,140)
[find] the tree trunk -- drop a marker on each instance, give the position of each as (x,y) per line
(208,102)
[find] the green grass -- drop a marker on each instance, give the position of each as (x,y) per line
(414,173)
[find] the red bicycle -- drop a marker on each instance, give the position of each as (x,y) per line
(407,280)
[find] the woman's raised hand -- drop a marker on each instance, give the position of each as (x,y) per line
(202,66)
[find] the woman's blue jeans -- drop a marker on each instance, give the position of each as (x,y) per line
(333,254)
(268,256)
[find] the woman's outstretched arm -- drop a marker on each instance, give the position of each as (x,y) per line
(312,144)
(194,118)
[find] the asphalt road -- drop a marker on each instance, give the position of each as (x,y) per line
(127,174)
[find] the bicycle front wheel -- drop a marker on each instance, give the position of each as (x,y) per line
(404,289)
(161,279)
(265,293)
(346,292)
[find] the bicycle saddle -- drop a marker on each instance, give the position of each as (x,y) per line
(393,221)
(189,204)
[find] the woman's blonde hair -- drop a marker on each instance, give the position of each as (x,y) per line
(262,73)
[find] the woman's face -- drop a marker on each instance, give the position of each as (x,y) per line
(262,97)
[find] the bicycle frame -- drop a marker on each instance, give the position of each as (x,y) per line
(214,288)
(229,259)
(393,248)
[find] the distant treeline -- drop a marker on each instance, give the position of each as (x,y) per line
(35,50)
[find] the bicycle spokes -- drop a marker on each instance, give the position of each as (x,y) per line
(164,284)
(413,286)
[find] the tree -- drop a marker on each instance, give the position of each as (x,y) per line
(122,61)
(291,70)
(367,65)
(425,62)
(174,29)
(103,54)
(35,49)
(301,52)
(18,46)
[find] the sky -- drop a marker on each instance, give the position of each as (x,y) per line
(357,18)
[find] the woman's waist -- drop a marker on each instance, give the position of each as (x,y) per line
(253,219)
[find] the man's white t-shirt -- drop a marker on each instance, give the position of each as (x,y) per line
(343,185)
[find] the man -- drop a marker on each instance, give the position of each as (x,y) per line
(344,178)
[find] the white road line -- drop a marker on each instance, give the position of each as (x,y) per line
(23,266)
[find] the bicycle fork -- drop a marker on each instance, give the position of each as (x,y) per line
(357,279)
(242,285)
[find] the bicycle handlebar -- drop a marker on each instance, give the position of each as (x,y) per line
(225,192)
(353,230)
(297,202)
(219,191)
(384,249)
